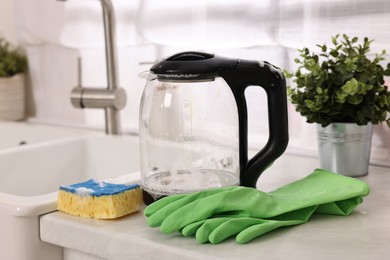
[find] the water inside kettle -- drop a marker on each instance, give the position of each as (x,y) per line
(187,181)
(191,166)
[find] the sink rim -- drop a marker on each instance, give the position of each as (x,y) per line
(24,206)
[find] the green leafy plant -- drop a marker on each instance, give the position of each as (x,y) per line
(341,84)
(11,60)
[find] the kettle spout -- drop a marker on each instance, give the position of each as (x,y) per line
(147,75)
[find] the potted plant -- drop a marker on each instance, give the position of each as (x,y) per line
(12,88)
(342,90)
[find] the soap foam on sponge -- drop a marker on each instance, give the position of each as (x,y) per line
(99,199)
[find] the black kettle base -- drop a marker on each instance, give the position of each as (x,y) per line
(148,198)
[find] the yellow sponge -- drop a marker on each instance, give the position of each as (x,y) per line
(100,200)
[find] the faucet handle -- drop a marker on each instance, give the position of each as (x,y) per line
(80,72)
(77,92)
(101,97)
(82,97)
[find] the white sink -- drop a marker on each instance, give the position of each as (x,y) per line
(31,174)
(17,134)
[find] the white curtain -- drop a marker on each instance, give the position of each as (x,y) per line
(148,30)
(272,31)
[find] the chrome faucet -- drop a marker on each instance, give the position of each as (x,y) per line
(112,99)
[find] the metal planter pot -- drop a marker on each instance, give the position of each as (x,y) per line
(12,98)
(345,148)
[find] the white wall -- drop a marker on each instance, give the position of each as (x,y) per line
(56,33)
(7,25)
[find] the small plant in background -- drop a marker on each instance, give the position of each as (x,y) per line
(341,84)
(11,60)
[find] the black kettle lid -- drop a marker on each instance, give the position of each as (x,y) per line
(192,66)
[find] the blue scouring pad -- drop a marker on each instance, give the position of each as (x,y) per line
(99,199)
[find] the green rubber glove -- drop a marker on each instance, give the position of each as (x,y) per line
(215,230)
(251,212)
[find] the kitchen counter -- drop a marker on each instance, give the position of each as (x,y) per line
(365,234)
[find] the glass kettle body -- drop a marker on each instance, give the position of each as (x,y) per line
(193,124)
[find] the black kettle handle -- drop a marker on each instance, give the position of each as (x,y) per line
(271,79)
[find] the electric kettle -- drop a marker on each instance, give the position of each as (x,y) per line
(193,123)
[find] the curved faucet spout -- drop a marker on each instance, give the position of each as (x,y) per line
(110,40)
(112,116)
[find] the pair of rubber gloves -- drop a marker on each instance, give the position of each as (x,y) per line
(217,214)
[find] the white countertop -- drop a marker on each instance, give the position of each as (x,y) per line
(363,235)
